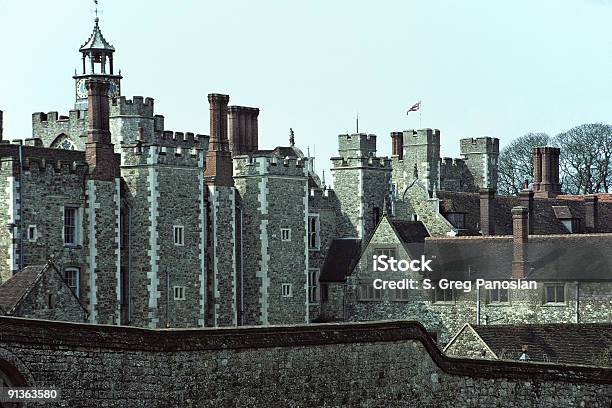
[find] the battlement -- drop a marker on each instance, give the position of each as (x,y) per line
(36,158)
(357,145)
(137,106)
(41,118)
(479,145)
(183,140)
(415,137)
(253,165)
(452,162)
(146,154)
(367,162)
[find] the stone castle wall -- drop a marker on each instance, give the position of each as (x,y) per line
(380,364)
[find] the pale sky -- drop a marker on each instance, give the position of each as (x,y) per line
(481,68)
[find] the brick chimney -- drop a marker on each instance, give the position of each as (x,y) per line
(218,158)
(520,238)
(99,152)
(526,197)
(590,213)
(242,129)
(546,172)
(397,148)
(487,211)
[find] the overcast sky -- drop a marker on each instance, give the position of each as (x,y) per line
(481,68)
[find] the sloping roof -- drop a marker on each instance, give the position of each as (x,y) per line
(18,286)
(588,344)
(412,235)
(547,219)
(96,40)
(341,258)
(566,257)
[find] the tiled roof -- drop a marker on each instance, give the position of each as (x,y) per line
(15,289)
(547,220)
(341,258)
(588,344)
(585,257)
(412,234)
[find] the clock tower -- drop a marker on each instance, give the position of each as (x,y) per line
(97,56)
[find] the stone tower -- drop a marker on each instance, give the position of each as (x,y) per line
(273,230)
(97,62)
(421,155)
(480,157)
(361,183)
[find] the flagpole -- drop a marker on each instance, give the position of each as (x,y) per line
(420,115)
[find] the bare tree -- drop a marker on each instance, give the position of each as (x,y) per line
(515,162)
(586,158)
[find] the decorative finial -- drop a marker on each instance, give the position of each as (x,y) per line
(96,10)
(291,137)
(323,181)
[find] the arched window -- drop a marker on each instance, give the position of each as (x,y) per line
(63,142)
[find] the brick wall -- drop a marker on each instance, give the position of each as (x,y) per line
(379,364)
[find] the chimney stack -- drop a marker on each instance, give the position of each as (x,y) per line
(546,172)
(397,148)
(526,197)
(99,152)
(487,211)
(520,227)
(243,129)
(590,213)
(219,170)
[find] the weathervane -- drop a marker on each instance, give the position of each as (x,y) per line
(96,10)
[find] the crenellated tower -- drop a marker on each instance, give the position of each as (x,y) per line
(361,183)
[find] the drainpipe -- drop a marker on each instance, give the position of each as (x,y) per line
(478,306)
(577,302)
(241,270)
(20,206)
(129,271)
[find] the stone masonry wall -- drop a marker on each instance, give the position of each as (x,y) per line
(387,364)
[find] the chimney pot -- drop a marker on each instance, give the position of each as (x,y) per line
(520,237)
(487,211)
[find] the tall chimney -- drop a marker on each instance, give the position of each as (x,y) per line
(590,213)
(99,152)
(218,158)
(546,172)
(520,237)
(526,197)
(487,211)
(254,138)
(397,148)
(233,124)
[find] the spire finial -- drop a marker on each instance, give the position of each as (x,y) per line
(96,11)
(323,181)
(291,137)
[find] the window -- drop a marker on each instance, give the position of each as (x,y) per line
(72,278)
(179,235)
(376,215)
(456,219)
(399,295)
(314,235)
(32,233)
(498,296)
(51,301)
(71,225)
(554,293)
(179,293)
(285,234)
(389,252)
(443,295)
(287,290)
(324,292)
(313,286)
(571,224)
(368,293)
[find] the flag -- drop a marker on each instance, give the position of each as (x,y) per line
(414,107)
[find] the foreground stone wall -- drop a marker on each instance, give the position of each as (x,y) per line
(367,364)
